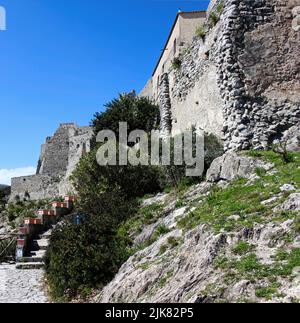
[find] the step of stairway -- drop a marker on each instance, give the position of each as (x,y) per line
(42,244)
(31,260)
(29,265)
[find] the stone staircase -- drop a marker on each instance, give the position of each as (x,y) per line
(34,234)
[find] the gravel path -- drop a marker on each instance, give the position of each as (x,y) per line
(21,286)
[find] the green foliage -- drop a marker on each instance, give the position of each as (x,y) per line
(213,19)
(220,8)
(201,31)
(296,225)
(260,172)
(82,257)
(268,291)
(186,51)
(175,175)
(176,63)
(247,264)
(138,112)
(282,150)
(145,216)
(25,209)
(171,244)
(160,230)
(180,203)
(134,181)
(88,255)
(163,282)
(242,248)
(245,200)
(213,147)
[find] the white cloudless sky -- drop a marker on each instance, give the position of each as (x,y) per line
(7,174)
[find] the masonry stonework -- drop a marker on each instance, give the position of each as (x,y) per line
(259,71)
(242,80)
(59,156)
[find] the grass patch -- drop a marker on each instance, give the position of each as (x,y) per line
(244,200)
(242,248)
(163,282)
(146,215)
(171,244)
(267,292)
(201,31)
(144,266)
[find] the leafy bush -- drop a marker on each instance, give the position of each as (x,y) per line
(282,149)
(175,176)
(213,19)
(85,256)
(138,112)
(133,181)
(201,31)
(88,255)
(220,8)
(24,209)
(213,147)
(176,63)
(242,248)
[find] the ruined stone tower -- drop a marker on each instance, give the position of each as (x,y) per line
(59,157)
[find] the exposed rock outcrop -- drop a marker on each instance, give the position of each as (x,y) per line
(237,262)
(232,166)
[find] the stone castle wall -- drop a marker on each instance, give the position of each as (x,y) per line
(35,187)
(242,81)
(59,156)
(259,71)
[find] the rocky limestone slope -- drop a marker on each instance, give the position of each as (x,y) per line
(232,238)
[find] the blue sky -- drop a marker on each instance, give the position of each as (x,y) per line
(62,60)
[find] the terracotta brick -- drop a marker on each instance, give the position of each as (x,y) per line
(33,221)
(46,212)
(70,198)
(21,243)
(23,231)
(60,205)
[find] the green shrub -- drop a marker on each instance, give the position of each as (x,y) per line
(282,150)
(201,31)
(220,8)
(88,255)
(160,231)
(176,63)
(24,209)
(268,291)
(214,148)
(242,248)
(213,19)
(139,113)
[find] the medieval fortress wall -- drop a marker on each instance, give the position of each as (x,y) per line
(59,157)
(242,80)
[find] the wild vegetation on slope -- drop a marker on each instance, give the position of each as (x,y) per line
(236,241)
(83,256)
